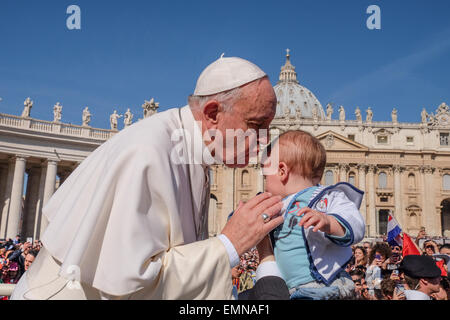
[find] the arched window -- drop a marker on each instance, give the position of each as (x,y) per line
(382,221)
(351,178)
(382,180)
(329,178)
(245,179)
(446,182)
(411,181)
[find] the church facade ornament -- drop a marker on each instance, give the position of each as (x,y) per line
(441,118)
(150,107)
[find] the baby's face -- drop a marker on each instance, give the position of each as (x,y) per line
(273,176)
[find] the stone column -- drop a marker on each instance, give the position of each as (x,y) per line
(228,192)
(343,168)
(29,208)
(49,188)
(259,179)
(429,210)
(38,221)
(15,208)
(371,214)
(398,213)
(6,200)
(362,187)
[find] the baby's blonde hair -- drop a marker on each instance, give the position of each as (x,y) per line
(303,153)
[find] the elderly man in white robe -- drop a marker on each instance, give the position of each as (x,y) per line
(131,221)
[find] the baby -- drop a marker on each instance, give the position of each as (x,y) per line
(312,246)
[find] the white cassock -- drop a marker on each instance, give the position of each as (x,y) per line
(127,225)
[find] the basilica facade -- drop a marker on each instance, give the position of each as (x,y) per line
(403,168)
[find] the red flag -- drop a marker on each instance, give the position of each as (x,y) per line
(409,247)
(440,265)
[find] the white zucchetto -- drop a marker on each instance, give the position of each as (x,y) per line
(225,74)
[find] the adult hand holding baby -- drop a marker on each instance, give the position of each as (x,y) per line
(247,227)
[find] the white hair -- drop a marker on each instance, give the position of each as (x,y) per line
(226,98)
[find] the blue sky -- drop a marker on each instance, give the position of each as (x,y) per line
(129,51)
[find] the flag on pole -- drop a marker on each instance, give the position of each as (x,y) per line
(394,232)
(409,247)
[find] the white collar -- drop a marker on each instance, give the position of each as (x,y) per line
(416,295)
(199,153)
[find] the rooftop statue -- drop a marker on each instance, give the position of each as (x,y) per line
(86,117)
(358,114)
(329,111)
(341,113)
(113,120)
(57,111)
(128,118)
(28,104)
(369,115)
(394,116)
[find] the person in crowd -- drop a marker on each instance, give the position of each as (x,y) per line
(421,235)
(389,290)
(10,273)
(2,254)
(377,263)
(29,258)
(430,247)
(235,274)
(312,262)
(20,254)
(421,275)
(445,249)
(248,265)
(367,245)
(358,277)
(17,240)
(361,257)
(443,293)
(394,260)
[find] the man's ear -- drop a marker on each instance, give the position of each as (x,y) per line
(210,112)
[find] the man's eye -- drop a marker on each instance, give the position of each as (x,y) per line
(254,124)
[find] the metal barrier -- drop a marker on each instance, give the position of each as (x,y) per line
(6,289)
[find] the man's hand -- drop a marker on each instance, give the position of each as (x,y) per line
(246,227)
(422,234)
(440,295)
(321,222)
(398,295)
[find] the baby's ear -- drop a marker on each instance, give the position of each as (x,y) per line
(283,171)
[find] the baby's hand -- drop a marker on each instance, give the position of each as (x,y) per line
(320,220)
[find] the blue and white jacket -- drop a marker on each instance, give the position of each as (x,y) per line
(327,256)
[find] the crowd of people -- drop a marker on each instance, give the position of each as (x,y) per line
(15,258)
(375,269)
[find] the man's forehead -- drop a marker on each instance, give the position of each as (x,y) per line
(261,113)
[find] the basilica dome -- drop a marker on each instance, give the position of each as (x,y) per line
(292,98)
